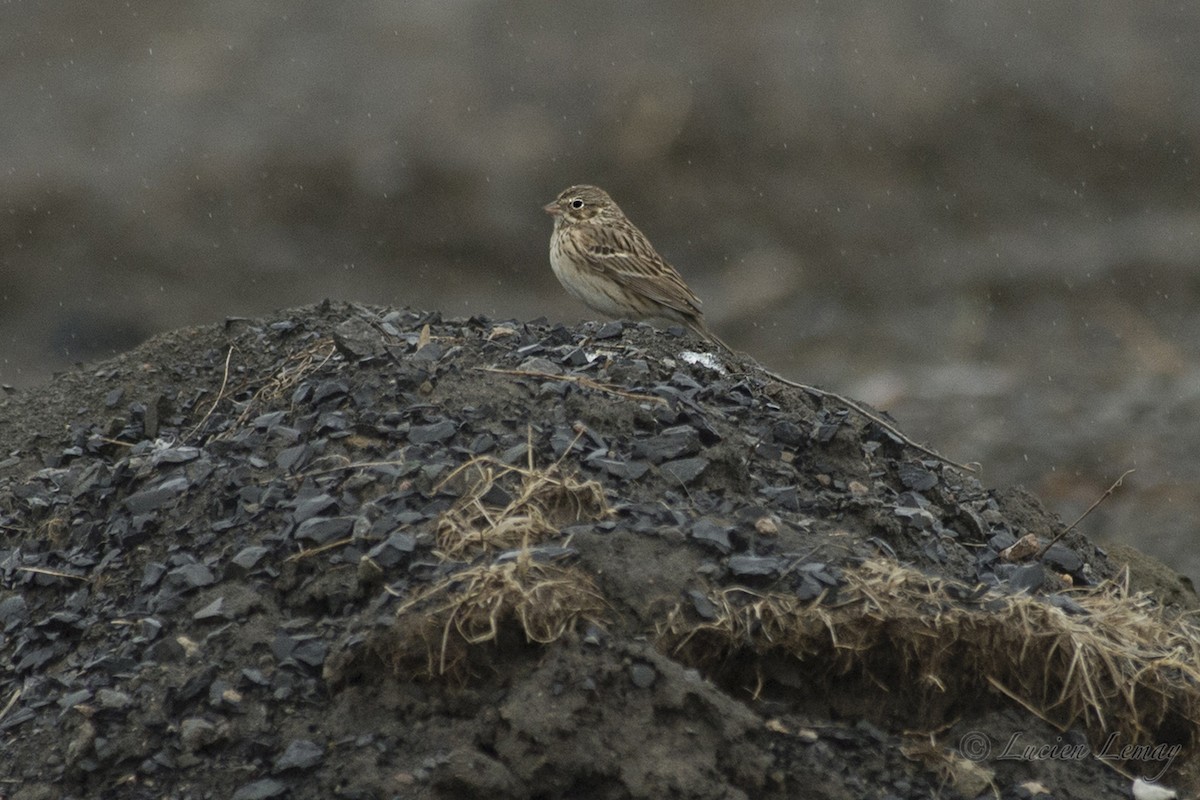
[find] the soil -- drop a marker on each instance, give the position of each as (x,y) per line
(216,552)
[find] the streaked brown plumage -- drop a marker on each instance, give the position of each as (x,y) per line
(601,258)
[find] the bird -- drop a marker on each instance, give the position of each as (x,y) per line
(602,259)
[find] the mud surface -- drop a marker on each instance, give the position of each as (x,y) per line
(205,543)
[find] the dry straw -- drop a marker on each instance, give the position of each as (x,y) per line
(1116,664)
(542,600)
(540,503)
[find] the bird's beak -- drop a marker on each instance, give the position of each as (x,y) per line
(552,209)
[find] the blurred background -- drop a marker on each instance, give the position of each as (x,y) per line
(982,217)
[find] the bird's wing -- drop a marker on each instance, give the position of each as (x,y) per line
(627,257)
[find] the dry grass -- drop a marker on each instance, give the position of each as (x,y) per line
(289,373)
(1121,666)
(542,502)
(544,601)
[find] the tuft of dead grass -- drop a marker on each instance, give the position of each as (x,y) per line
(540,502)
(544,601)
(1118,665)
(288,374)
(500,507)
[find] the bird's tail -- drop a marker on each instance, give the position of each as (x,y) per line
(701,330)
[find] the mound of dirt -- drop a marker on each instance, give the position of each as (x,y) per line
(361,553)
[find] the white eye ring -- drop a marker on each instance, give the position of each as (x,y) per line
(576,203)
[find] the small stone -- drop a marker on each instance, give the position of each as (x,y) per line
(767,526)
(190,576)
(684,470)
(703,606)
(214,610)
(1063,558)
(113,700)
(248,557)
(13,611)
(751,566)
(261,790)
(300,754)
(642,675)
(609,330)
(150,499)
(428,434)
(1028,578)
(711,534)
(313,506)
(916,477)
(672,443)
(196,733)
(320,530)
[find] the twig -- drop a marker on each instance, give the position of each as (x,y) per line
(1107,492)
(220,394)
(348,466)
(53,572)
(117,442)
(317,550)
(889,427)
(12,701)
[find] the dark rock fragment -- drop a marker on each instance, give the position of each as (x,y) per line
(196,733)
(756,566)
(330,390)
(432,351)
(1027,578)
(175,455)
(154,497)
(300,754)
(248,558)
(916,477)
(214,610)
(436,432)
(294,457)
(672,443)
(821,572)
(13,612)
(684,470)
(627,470)
(1002,541)
(312,506)
(113,700)
(1066,603)
(788,433)
(1062,558)
(785,497)
(807,587)
(609,330)
(642,675)
(702,605)
(715,536)
(189,577)
(311,652)
(392,551)
(320,530)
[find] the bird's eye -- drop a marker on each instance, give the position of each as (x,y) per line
(577,203)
